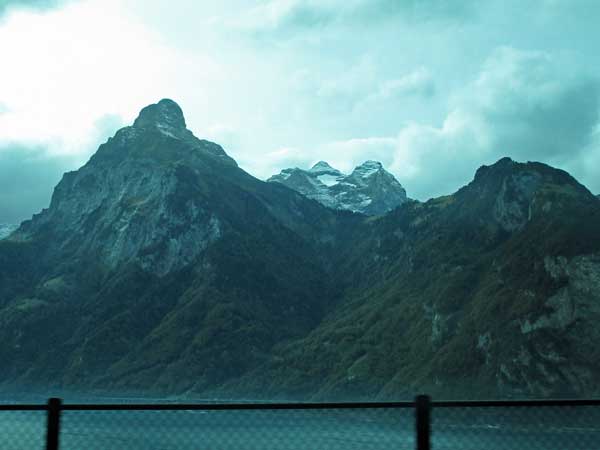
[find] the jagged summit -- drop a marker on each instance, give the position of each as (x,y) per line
(368,168)
(165,113)
(153,133)
(361,191)
(323,167)
(512,194)
(506,166)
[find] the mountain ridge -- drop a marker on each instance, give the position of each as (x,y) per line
(161,266)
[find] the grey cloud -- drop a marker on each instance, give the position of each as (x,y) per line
(418,83)
(6,5)
(534,108)
(417,10)
(289,18)
(306,16)
(28,174)
(27,178)
(558,129)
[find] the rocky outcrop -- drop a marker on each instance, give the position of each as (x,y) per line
(369,189)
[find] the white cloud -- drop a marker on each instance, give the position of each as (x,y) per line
(272,162)
(339,80)
(418,82)
(522,104)
(345,155)
(65,69)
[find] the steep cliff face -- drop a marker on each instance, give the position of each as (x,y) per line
(369,189)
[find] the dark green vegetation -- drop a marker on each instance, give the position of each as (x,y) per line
(162,267)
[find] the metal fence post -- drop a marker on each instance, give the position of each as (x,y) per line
(422,413)
(53,430)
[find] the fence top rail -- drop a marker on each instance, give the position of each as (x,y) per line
(241,406)
(15,407)
(514,403)
(300,406)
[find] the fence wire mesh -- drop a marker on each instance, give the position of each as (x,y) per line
(516,428)
(22,430)
(376,429)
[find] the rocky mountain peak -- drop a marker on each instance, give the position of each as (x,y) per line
(323,167)
(367,169)
(370,164)
(514,193)
(501,165)
(165,114)
(152,135)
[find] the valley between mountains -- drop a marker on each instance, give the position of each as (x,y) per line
(161,267)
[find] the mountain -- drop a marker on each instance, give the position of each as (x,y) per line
(162,267)
(160,256)
(6,229)
(369,189)
(493,291)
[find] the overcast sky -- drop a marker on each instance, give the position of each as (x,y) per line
(433,89)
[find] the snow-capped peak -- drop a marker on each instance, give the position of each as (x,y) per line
(322,166)
(360,191)
(367,169)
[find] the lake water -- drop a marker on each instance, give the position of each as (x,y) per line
(301,430)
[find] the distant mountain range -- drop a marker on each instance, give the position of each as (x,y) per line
(160,266)
(369,189)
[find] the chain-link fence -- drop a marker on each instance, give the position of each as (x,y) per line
(564,425)
(516,428)
(377,429)
(22,430)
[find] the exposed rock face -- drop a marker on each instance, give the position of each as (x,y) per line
(512,208)
(6,229)
(116,205)
(369,189)
(563,331)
